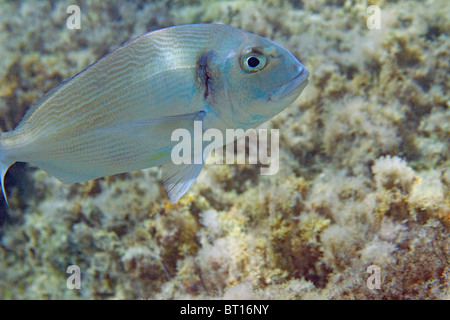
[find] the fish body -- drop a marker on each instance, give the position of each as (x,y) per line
(118,114)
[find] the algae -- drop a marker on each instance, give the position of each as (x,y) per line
(364,173)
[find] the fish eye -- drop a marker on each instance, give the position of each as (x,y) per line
(252,60)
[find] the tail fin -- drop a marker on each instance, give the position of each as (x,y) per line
(5,163)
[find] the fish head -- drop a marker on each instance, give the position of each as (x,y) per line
(260,79)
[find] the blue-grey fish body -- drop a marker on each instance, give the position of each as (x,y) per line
(118,115)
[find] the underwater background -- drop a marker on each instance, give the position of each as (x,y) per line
(364,175)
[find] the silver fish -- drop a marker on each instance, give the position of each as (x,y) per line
(118,114)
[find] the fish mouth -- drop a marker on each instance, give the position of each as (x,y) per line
(291,87)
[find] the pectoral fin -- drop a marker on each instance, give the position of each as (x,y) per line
(152,128)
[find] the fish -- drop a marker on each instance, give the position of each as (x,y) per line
(118,115)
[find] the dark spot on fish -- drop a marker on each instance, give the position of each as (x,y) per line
(204,75)
(201,114)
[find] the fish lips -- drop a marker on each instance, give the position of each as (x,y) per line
(291,87)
